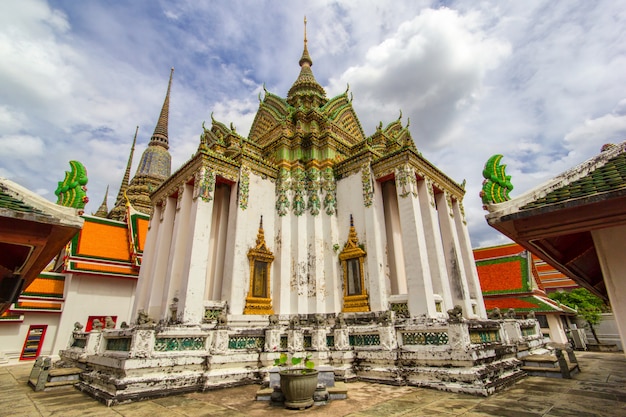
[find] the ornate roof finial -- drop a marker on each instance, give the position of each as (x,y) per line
(261,223)
(306,91)
(351,221)
(306,58)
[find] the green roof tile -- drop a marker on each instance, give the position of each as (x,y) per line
(609,177)
(11,203)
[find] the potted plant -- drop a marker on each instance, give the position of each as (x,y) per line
(298,381)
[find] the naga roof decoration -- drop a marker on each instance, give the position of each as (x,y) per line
(497,185)
(72,191)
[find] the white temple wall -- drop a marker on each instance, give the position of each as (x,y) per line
(92,295)
(610,243)
(13,336)
(243,227)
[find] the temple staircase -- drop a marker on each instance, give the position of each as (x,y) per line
(551,364)
(44,376)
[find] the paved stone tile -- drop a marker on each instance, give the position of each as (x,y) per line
(599,390)
(494,410)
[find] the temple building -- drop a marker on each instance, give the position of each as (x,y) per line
(309,237)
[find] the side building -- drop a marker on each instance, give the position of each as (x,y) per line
(95,274)
(513,278)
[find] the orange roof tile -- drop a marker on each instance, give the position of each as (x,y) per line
(46,285)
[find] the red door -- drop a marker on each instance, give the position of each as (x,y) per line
(33,342)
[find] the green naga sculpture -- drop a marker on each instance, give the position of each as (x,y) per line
(72,191)
(497,185)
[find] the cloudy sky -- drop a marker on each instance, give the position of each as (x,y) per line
(541,82)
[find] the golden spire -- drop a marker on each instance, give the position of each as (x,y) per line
(103,210)
(305,54)
(126,179)
(306,90)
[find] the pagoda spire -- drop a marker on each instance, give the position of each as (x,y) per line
(103,210)
(159,137)
(126,179)
(306,91)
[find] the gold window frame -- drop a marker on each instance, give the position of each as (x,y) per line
(352,251)
(260,253)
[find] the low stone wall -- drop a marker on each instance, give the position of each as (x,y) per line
(149,360)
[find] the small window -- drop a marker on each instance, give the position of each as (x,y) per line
(355,298)
(259,285)
(259,299)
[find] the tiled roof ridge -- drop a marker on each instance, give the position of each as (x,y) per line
(40,205)
(573,174)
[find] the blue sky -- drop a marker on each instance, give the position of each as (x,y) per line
(541,82)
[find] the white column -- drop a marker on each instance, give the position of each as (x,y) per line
(395,255)
(331,265)
(419,284)
(193,288)
(555,326)
(436,257)
(469,263)
(315,262)
(300,268)
(219,237)
(236,277)
(161,256)
(144,280)
(610,244)
(375,263)
(178,249)
(454,254)
(281,282)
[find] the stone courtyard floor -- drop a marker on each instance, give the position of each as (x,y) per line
(599,390)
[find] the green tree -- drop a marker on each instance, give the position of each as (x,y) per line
(588,306)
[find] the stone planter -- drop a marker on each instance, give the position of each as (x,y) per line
(298,387)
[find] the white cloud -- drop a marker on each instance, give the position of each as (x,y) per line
(432,68)
(21,147)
